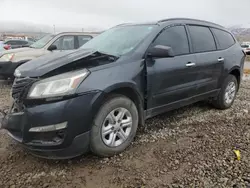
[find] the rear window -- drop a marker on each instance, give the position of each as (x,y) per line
(224,39)
(202,39)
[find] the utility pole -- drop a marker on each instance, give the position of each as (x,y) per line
(54,29)
(82,29)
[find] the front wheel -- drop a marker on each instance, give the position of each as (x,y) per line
(227,93)
(114,126)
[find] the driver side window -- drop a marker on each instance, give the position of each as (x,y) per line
(174,37)
(65,43)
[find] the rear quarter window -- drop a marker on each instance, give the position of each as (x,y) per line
(224,38)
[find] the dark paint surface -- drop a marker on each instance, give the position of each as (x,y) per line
(161,83)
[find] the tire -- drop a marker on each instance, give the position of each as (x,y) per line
(100,144)
(220,101)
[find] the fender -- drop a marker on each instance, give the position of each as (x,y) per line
(139,98)
(121,85)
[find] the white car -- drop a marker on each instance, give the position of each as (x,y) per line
(246,48)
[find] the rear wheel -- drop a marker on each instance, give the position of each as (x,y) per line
(114,126)
(227,93)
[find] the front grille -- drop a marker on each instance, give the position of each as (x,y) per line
(21,87)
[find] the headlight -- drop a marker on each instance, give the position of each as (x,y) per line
(60,85)
(7,57)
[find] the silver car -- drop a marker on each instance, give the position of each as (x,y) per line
(11,59)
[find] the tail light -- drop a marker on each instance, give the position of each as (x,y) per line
(248,49)
(7,47)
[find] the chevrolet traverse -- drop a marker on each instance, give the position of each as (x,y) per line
(94,99)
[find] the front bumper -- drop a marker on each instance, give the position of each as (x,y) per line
(7,68)
(70,142)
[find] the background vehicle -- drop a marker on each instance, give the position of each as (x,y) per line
(94,98)
(11,59)
(13,44)
(246,48)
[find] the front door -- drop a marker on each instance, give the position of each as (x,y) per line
(171,80)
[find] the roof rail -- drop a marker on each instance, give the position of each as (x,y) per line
(122,24)
(171,19)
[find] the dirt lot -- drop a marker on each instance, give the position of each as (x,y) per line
(189,147)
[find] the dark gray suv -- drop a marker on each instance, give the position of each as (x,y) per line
(93,99)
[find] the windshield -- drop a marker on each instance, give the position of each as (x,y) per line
(119,40)
(42,42)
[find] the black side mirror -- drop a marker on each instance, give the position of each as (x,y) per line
(52,47)
(161,51)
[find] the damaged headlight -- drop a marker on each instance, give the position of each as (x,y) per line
(56,86)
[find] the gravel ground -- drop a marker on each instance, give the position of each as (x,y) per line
(189,147)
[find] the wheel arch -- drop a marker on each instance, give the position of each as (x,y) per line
(132,92)
(235,71)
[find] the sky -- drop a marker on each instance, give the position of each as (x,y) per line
(102,14)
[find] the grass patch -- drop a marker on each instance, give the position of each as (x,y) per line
(248,58)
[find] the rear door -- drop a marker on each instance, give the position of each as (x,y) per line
(208,58)
(172,79)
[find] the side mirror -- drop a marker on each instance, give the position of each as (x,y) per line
(52,47)
(161,51)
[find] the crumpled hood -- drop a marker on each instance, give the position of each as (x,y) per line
(47,63)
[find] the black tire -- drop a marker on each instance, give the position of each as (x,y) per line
(220,102)
(113,102)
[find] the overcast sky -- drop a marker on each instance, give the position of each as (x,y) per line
(106,13)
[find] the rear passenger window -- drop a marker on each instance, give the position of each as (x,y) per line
(176,38)
(202,39)
(224,38)
(83,39)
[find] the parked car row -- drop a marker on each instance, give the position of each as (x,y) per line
(94,98)
(11,59)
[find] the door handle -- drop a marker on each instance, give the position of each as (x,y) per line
(189,64)
(220,59)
